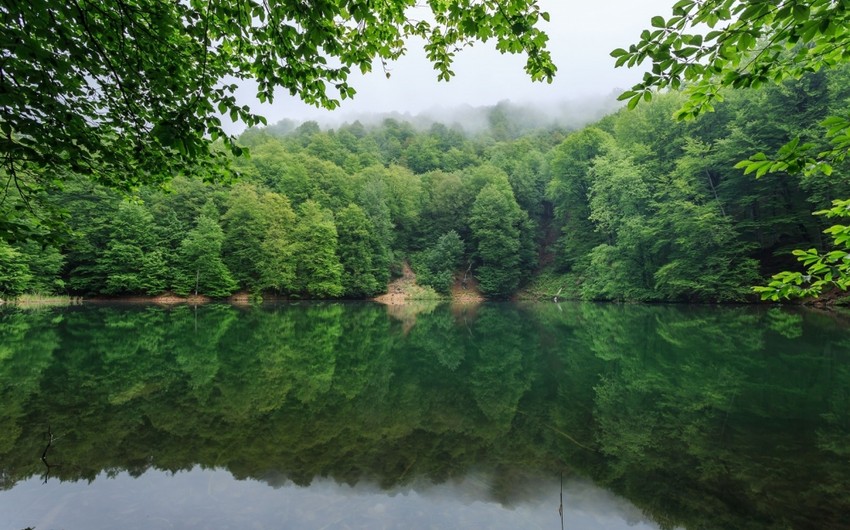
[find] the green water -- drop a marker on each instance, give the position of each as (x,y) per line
(333,415)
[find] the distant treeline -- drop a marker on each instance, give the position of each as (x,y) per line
(633,207)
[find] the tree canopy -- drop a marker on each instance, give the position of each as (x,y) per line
(133,91)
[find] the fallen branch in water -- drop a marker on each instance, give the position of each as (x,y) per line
(561,506)
(44,454)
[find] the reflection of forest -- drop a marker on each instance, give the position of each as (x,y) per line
(702,417)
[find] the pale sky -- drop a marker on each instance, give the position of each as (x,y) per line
(582,34)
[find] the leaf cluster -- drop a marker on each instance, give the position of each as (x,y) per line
(709,44)
(822,269)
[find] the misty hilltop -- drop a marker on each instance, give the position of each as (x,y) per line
(518,118)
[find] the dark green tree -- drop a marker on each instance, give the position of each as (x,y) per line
(277,262)
(495,221)
(45,262)
(436,266)
(373,200)
(569,190)
(133,261)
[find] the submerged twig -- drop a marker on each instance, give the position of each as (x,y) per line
(561,506)
(562,433)
(50,439)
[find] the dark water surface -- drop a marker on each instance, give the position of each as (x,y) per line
(331,415)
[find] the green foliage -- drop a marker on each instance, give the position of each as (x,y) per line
(435,267)
(750,44)
(645,219)
(131,92)
(400,191)
(200,269)
(548,284)
(495,222)
(133,263)
(446,205)
(245,227)
(569,190)
(257,247)
(633,207)
(277,262)
(705,260)
(525,166)
(315,241)
(356,245)
(822,270)
(15,276)
(45,262)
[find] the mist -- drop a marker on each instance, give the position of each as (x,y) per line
(582,36)
(520,117)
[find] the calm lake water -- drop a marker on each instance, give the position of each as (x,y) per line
(353,415)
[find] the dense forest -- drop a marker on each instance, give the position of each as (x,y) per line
(636,206)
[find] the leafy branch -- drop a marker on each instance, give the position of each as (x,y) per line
(822,270)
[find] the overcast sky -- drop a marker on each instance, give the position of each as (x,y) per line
(582,34)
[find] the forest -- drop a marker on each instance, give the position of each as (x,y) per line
(635,206)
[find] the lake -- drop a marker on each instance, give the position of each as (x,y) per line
(357,415)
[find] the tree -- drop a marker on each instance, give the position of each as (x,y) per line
(315,240)
(15,276)
(277,265)
(133,262)
(495,221)
(356,244)
(44,262)
(822,269)
(438,264)
(569,189)
(245,226)
(373,200)
(620,195)
(131,91)
(94,210)
(200,267)
(751,43)
(400,192)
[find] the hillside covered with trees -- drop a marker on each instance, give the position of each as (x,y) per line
(635,206)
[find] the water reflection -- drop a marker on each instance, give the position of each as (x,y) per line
(204,498)
(699,417)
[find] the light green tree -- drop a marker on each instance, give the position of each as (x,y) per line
(15,276)
(200,269)
(245,227)
(356,244)
(277,262)
(315,240)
